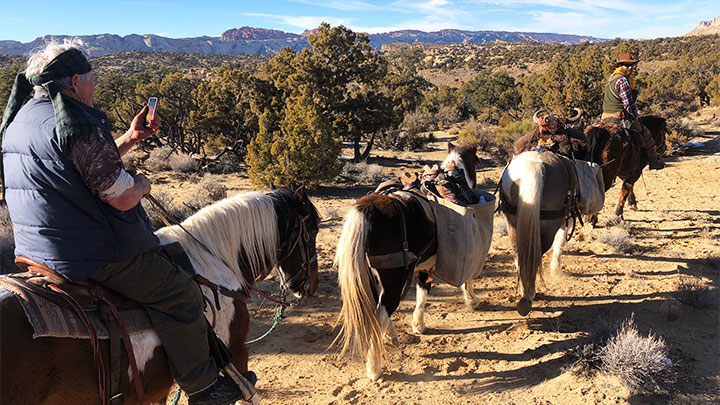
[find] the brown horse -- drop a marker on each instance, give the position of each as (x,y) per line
(251,232)
(610,147)
(538,191)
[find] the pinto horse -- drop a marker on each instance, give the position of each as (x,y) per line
(249,234)
(386,238)
(611,148)
(538,191)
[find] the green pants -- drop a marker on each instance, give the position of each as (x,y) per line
(175,306)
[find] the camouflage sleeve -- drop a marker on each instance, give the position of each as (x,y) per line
(98,163)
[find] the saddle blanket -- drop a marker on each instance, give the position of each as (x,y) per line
(464,234)
(51,320)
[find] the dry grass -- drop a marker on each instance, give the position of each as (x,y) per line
(207,191)
(182,162)
(159,159)
(640,362)
(691,292)
(671,309)
(620,241)
(362,173)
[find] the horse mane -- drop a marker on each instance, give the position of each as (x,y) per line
(287,198)
(245,223)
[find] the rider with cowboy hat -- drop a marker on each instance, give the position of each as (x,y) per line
(620,105)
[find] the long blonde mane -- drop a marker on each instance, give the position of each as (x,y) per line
(244,222)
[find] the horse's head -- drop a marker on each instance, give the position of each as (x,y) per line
(465,157)
(657,126)
(298,225)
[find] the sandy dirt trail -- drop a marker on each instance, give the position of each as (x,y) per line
(493,355)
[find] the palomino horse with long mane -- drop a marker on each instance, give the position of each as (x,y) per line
(538,192)
(248,234)
(610,147)
(385,239)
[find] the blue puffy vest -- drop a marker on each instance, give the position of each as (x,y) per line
(57,221)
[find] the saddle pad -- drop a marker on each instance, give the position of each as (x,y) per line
(464,234)
(51,320)
(592,187)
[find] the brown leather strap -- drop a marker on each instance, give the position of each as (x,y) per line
(128,348)
(114,369)
(93,341)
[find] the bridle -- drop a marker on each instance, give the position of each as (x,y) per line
(302,241)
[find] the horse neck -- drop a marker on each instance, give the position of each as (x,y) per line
(244,225)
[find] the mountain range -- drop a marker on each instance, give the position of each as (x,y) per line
(253,41)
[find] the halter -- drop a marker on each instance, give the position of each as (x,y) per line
(302,239)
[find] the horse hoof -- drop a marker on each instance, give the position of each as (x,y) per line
(633,207)
(523,306)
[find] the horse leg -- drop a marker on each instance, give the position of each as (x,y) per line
(557,247)
(389,332)
(468,289)
(625,190)
(421,293)
(373,358)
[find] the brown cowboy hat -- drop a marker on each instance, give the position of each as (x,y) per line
(624,58)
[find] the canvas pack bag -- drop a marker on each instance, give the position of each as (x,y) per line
(592,187)
(464,234)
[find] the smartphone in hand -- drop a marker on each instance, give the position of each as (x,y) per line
(152,105)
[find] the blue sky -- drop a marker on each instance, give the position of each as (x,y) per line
(25,20)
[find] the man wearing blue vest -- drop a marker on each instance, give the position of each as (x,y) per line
(75,209)
(620,106)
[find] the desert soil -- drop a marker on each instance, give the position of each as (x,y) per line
(492,354)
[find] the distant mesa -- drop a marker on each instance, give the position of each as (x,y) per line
(251,33)
(706,28)
(261,41)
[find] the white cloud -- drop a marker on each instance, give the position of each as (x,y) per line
(300,22)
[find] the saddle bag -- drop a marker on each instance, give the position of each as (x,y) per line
(464,234)
(591,186)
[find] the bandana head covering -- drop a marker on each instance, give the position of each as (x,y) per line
(71,117)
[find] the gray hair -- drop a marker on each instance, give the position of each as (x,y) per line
(38,59)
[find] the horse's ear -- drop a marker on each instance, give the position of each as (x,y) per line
(450,147)
(478,160)
(664,115)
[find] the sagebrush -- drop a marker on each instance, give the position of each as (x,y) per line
(640,362)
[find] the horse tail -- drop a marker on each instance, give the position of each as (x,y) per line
(361,329)
(528,221)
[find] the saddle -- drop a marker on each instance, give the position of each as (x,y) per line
(85,298)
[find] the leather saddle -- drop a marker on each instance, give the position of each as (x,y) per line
(39,278)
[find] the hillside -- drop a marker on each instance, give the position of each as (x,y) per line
(706,28)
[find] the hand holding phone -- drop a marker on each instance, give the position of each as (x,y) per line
(152,105)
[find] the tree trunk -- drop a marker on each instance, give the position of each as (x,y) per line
(369,146)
